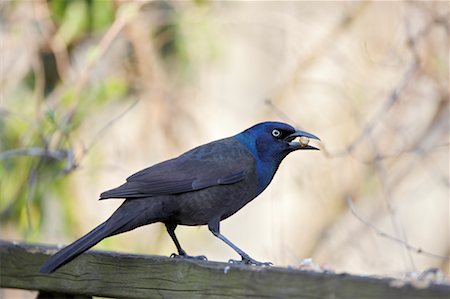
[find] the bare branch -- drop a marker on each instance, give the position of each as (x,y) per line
(394,95)
(43,153)
(34,152)
(125,14)
(388,104)
(387,191)
(108,125)
(281,114)
(379,232)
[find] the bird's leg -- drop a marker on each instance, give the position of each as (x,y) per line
(214,227)
(181,253)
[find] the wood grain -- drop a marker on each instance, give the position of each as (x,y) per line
(110,274)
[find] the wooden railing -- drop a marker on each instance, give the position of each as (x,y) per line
(108,274)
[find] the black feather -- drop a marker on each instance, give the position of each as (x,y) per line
(190,172)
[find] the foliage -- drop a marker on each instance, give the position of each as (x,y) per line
(78,64)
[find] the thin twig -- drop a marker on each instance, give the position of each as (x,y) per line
(60,155)
(328,41)
(379,232)
(108,125)
(125,14)
(387,191)
(33,177)
(393,96)
(388,104)
(34,152)
(56,41)
(281,114)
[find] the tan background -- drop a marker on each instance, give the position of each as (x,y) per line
(369,78)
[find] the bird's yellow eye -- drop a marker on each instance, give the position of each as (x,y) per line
(276,133)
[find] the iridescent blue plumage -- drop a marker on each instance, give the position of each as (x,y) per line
(266,150)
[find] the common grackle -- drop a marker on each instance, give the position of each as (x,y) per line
(202,186)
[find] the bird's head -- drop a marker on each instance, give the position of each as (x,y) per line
(272,141)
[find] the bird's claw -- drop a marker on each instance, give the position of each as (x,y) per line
(249,261)
(191,257)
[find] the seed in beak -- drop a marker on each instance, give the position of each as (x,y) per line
(304,141)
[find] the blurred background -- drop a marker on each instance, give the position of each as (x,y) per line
(92,91)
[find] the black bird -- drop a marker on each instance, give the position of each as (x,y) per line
(202,186)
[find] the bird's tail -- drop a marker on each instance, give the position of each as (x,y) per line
(68,253)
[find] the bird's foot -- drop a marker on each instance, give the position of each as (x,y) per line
(189,257)
(249,261)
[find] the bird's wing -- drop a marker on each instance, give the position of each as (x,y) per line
(178,176)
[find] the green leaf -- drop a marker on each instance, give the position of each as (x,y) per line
(75,20)
(102,14)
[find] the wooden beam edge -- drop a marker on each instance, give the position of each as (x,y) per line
(113,274)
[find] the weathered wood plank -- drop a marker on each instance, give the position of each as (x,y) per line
(142,276)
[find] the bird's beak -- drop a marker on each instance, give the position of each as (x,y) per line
(304,139)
